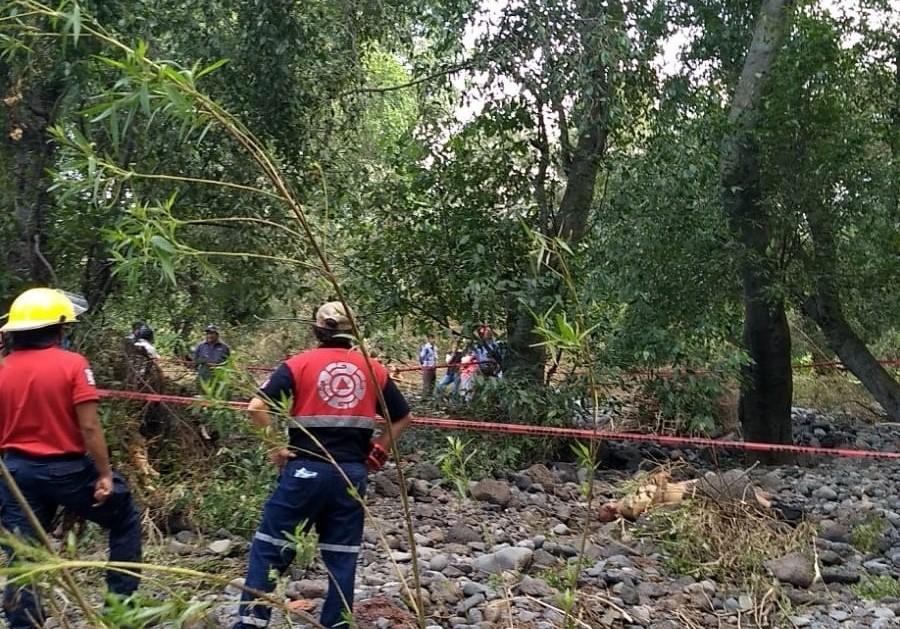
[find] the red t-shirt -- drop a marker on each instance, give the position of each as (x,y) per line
(39,389)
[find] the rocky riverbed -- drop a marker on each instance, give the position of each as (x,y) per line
(503,557)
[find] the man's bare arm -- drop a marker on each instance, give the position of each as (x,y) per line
(259,414)
(393,431)
(95,444)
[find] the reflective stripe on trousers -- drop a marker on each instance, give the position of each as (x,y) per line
(309,495)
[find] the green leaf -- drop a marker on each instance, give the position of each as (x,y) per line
(162,244)
(211,68)
(144,97)
(75,22)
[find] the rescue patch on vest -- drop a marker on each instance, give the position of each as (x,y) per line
(342,385)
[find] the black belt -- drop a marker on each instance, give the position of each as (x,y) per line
(42,458)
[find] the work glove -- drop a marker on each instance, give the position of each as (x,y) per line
(378,456)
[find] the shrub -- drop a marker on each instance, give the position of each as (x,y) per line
(877,588)
(867,536)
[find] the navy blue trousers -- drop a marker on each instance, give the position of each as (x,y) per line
(309,494)
(52,482)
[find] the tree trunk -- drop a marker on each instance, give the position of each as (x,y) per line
(526,359)
(826,311)
(28,155)
(767,388)
(582,167)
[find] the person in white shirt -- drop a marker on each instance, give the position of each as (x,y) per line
(428,361)
(143,339)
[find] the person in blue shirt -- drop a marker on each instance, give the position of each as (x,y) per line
(209,354)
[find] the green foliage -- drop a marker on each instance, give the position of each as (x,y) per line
(877,588)
(306,544)
(233,493)
(140,611)
(454,463)
(515,401)
(868,536)
(689,402)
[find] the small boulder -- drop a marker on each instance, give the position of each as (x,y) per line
(492,491)
(462,534)
(825,492)
(513,558)
(306,589)
(537,588)
(794,568)
(222,547)
(834,532)
(426,472)
(179,548)
(384,486)
(540,474)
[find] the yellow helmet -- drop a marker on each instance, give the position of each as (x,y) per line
(39,308)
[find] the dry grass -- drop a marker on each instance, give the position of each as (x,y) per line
(727,541)
(833,391)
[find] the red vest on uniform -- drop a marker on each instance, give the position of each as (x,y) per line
(333,389)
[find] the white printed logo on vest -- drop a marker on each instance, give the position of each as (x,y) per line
(342,385)
(89,376)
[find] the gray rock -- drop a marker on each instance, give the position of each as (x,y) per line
(438,562)
(839,575)
(877,566)
(178,548)
(426,471)
(384,486)
(562,550)
(222,547)
(825,493)
(835,533)
(493,491)
(535,587)
(830,558)
(306,589)
(467,604)
(884,613)
(839,615)
(186,537)
(419,488)
(627,592)
(462,534)
(794,568)
(235,587)
(540,475)
(543,559)
(513,558)
(732,485)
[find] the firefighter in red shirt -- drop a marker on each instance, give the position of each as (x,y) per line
(52,442)
(333,401)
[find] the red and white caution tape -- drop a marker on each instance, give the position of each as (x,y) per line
(549,431)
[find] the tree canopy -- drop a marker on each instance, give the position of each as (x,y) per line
(702,165)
